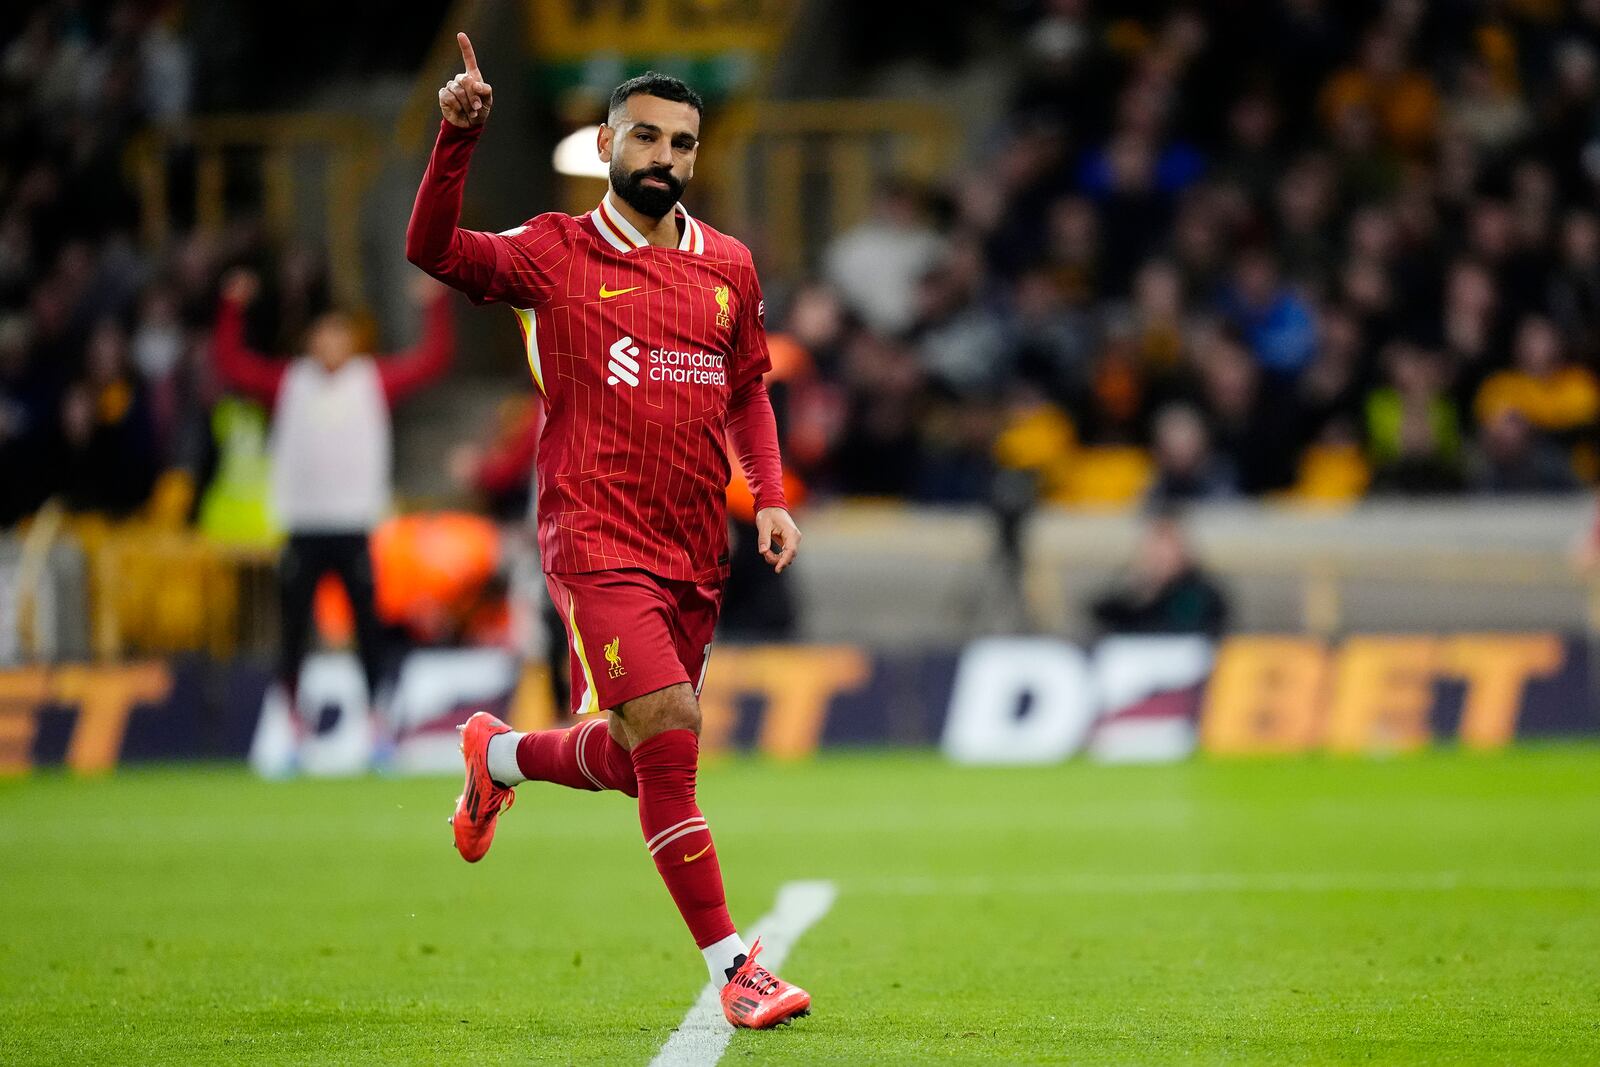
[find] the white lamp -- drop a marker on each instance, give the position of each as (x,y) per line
(575,155)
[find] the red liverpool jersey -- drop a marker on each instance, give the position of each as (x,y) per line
(644,356)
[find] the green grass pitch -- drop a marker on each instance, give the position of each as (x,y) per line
(1442,908)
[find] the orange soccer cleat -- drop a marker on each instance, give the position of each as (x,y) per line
(757,998)
(481,800)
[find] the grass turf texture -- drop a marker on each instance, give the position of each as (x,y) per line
(1441,908)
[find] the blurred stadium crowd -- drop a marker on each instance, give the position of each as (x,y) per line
(96,344)
(1289,248)
(1237,249)
(107,378)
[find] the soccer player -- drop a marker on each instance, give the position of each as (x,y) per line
(644,333)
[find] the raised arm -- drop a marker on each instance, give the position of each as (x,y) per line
(238,365)
(465,259)
(403,373)
(508,463)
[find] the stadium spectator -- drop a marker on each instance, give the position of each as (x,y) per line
(1073,249)
(1567,134)
(1402,99)
(109,459)
(1330,388)
(961,340)
(29,423)
(1551,394)
(1304,201)
(1574,297)
(1052,341)
(1158,319)
(1253,422)
(879,452)
(1511,458)
(878,265)
(1486,108)
(809,402)
(1134,198)
(1187,471)
(1118,400)
(1272,318)
(1413,433)
(1469,327)
(331,477)
(1165,590)
(1252,159)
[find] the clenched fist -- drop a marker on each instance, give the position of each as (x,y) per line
(466,99)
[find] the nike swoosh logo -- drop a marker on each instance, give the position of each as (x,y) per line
(697,855)
(607,294)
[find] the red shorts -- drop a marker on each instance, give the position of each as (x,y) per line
(632,633)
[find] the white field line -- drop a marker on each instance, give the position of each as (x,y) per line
(702,1037)
(1235,882)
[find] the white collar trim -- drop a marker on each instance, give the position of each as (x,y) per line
(622,235)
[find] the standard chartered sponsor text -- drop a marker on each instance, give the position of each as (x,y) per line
(693,368)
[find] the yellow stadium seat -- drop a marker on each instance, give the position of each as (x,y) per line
(1331,474)
(1041,439)
(1108,476)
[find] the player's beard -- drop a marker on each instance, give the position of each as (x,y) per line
(647,200)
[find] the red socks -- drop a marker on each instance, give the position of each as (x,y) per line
(676,832)
(661,773)
(581,757)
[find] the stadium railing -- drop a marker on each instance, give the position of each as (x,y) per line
(278,154)
(890,575)
(780,162)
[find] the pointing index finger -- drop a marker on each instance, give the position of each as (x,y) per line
(468,56)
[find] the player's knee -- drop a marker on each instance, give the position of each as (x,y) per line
(669,709)
(679,712)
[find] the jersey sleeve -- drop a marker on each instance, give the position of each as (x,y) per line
(240,366)
(536,259)
(407,372)
(753,432)
(514,267)
(750,356)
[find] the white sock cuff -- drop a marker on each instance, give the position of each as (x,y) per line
(502,759)
(720,956)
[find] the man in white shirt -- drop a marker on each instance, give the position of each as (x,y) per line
(331,453)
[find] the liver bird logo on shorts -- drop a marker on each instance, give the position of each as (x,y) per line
(614,657)
(723,318)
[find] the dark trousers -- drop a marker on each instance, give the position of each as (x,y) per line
(305,559)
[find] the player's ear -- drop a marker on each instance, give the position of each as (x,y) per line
(602,142)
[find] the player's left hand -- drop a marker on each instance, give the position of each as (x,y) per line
(777,537)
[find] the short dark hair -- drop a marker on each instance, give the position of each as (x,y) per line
(654,83)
